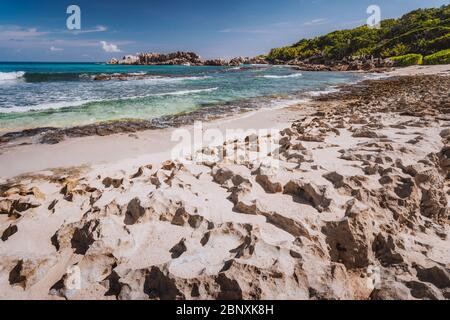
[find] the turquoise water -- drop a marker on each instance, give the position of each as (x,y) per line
(65,94)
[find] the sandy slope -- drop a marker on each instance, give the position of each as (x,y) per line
(357,207)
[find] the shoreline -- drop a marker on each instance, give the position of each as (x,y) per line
(68,151)
(53,133)
(224,109)
(158,123)
(103,149)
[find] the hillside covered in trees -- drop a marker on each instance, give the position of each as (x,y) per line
(424,32)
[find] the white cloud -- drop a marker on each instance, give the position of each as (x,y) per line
(96,29)
(16,33)
(52,48)
(101,28)
(316,22)
(243,30)
(19,33)
(109,47)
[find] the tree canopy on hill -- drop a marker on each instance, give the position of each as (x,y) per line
(423,31)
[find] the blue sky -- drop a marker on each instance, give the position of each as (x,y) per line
(36,30)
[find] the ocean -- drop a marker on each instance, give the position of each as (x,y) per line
(36,95)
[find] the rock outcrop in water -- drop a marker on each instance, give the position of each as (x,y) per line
(176,58)
(247,60)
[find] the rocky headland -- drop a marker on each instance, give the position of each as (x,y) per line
(182,58)
(357,209)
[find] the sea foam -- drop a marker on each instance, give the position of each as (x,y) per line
(294,75)
(80,103)
(5,76)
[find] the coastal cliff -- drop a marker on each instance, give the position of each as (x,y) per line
(419,37)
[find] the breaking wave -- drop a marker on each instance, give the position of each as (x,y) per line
(79,103)
(294,75)
(5,76)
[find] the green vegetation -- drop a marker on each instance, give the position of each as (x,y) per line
(441,57)
(408,59)
(423,31)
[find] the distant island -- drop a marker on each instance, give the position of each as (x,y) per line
(419,37)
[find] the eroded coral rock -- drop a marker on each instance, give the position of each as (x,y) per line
(316,195)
